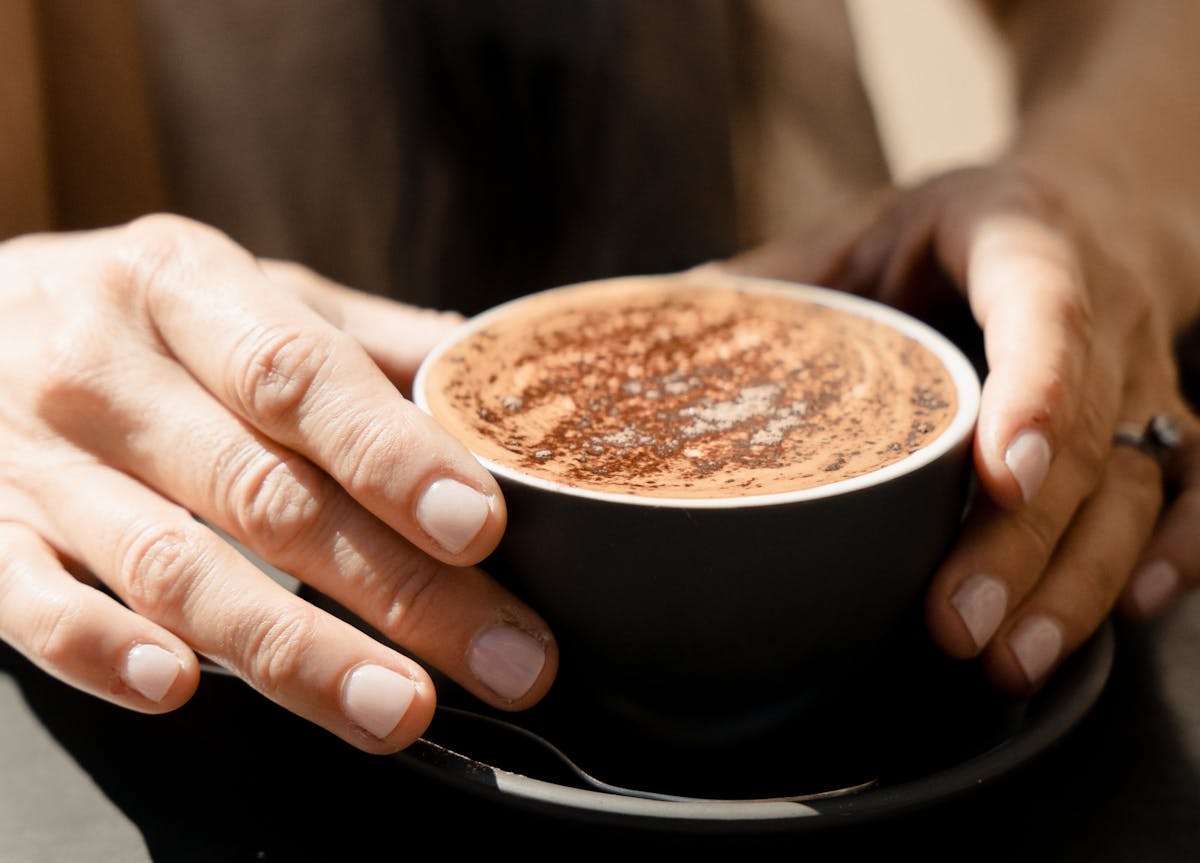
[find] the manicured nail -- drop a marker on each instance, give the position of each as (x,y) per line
(1153,586)
(981,602)
(1028,458)
(150,670)
(1036,643)
(506,660)
(376,698)
(452,513)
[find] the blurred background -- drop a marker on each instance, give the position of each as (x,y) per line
(936,76)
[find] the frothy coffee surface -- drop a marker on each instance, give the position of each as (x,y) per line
(685,387)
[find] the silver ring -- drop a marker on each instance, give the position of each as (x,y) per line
(1157,438)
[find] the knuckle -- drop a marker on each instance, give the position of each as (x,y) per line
(275,369)
(45,628)
(168,233)
(1037,532)
(154,243)
(413,587)
(54,636)
(373,457)
(1076,316)
(275,649)
(161,251)
(276,501)
(1092,445)
(1097,584)
(158,224)
(157,566)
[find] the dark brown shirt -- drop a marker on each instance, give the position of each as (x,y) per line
(449,152)
(452,153)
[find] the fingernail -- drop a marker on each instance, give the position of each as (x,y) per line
(376,698)
(981,602)
(452,513)
(1036,643)
(506,660)
(1028,458)
(150,670)
(1153,586)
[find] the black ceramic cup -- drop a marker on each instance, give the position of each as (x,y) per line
(706,609)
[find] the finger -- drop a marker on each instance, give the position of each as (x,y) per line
(396,335)
(1170,563)
(887,250)
(897,263)
(819,253)
(299,380)
(1027,292)
(83,637)
(1002,553)
(998,560)
(173,570)
(177,439)
(1083,581)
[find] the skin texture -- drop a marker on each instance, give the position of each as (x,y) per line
(156,370)
(154,398)
(1076,254)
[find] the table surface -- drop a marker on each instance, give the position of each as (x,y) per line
(233,777)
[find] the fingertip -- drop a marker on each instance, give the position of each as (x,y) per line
(1169,563)
(1020,661)
(1151,590)
(157,677)
(463,521)
(1036,643)
(972,615)
(1027,458)
(515,666)
(1013,470)
(389,708)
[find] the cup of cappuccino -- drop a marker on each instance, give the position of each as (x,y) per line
(722,491)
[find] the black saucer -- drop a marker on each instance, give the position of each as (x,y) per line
(920,731)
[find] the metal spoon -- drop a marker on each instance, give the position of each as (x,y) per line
(429,749)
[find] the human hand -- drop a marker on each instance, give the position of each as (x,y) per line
(155,372)
(1076,342)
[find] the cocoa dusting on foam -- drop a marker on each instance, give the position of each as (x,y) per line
(688,391)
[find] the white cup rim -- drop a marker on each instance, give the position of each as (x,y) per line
(960,429)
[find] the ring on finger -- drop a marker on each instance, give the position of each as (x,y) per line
(1157,437)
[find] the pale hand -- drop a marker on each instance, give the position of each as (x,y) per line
(156,374)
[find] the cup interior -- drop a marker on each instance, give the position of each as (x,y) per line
(962,373)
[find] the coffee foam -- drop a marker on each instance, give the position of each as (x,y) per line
(682,388)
